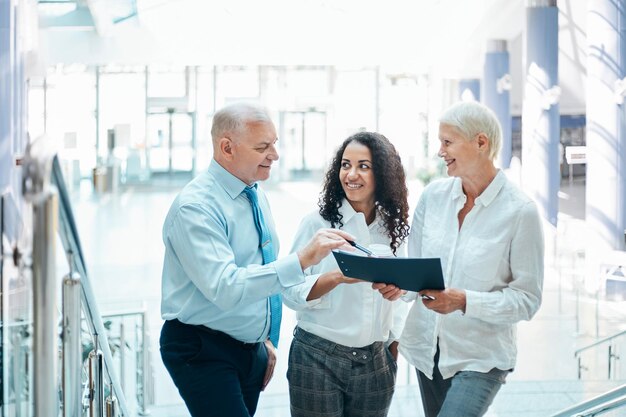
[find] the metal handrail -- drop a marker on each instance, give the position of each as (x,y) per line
(595,406)
(42,177)
(68,233)
(598,342)
(124,313)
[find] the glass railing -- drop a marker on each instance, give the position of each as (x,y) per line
(611,358)
(128,335)
(611,403)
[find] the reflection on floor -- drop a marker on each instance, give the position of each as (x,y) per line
(121,235)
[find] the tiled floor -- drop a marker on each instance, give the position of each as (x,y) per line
(121,235)
(515,399)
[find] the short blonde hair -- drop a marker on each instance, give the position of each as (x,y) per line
(471,118)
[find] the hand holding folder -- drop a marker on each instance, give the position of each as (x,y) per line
(411,274)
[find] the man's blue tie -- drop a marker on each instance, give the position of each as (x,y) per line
(267,250)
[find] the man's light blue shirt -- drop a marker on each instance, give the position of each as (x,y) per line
(213,272)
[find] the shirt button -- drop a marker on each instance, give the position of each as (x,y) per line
(364,356)
(353,353)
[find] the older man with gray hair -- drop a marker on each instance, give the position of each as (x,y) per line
(221,280)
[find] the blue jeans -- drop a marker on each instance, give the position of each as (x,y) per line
(331,380)
(466,394)
(216,375)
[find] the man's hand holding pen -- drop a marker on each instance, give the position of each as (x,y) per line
(321,244)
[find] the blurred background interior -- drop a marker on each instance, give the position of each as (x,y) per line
(105,114)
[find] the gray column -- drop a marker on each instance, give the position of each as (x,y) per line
(469,89)
(540,111)
(606,128)
(496,87)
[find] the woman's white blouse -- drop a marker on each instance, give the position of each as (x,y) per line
(351,314)
(496,257)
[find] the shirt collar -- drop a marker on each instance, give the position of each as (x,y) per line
(492,190)
(487,196)
(233,185)
(346,211)
(457,188)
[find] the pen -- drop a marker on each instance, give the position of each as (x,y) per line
(359,247)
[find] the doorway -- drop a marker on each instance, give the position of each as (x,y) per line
(305,143)
(171,142)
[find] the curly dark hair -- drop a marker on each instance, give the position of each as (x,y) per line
(390,194)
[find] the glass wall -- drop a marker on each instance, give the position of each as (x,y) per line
(138,123)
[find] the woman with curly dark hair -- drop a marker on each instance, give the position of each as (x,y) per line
(343,356)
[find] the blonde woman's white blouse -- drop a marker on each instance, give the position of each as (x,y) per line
(496,257)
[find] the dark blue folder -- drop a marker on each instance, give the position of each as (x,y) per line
(412,274)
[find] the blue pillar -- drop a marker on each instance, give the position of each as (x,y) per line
(6,92)
(469,89)
(606,126)
(496,87)
(20,92)
(12,115)
(540,111)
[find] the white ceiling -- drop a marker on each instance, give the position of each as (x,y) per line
(445,37)
(411,34)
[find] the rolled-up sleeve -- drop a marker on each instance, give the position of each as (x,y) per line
(295,297)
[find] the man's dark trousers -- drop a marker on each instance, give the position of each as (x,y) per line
(216,375)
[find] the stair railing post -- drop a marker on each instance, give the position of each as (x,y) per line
(72,354)
(144,365)
(610,359)
(45,341)
(122,358)
(96,381)
(111,404)
(42,196)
